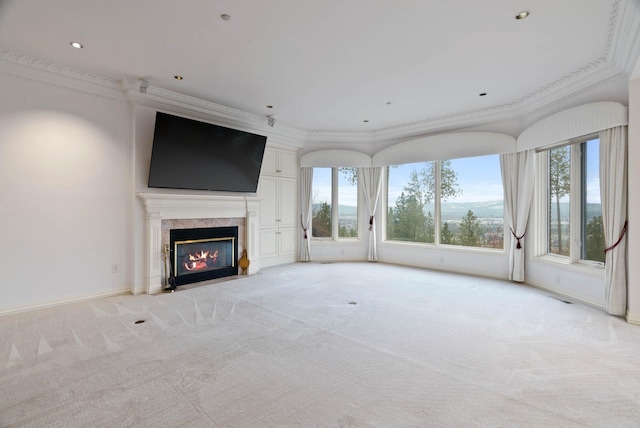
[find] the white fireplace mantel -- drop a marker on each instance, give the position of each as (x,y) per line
(160,207)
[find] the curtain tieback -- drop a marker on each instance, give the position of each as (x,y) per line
(518,246)
(370,223)
(303,228)
(624,231)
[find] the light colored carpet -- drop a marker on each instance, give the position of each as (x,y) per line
(285,348)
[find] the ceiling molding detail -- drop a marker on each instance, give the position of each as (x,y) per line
(616,60)
(41,64)
(624,51)
(589,76)
(38,70)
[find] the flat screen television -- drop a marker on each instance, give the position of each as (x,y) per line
(189,154)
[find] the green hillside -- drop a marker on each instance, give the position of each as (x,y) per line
(483,210)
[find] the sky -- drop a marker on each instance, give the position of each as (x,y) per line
(478,177)
(593,172)
(322,188)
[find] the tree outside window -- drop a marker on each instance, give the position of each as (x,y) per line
(559,199)
(574,204)
(473,215)
(321,203)
(335,203)
(414,202)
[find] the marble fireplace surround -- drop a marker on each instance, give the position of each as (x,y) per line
(166,211)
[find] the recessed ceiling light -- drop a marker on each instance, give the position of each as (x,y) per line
(76,45)
(178,77)
(225,17)
(523,14)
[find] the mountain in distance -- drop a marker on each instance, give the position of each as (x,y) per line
(344,210)
(482,210)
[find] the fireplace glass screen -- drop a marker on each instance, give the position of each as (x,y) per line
(204,253)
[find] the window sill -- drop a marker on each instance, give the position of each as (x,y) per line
(327,241)
(445,247)
(581,265)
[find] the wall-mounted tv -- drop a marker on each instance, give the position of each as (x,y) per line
(189,154)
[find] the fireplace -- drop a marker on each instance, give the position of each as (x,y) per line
(201,254)
(165,212)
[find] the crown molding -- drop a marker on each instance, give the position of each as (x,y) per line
(621,51)
(624,36)
(585,78)
(34,69)
(622,48)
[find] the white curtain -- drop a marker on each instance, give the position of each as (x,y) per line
(518,178)
(306,208)
(613,196)
(372,183)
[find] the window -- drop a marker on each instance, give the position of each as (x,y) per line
(472,202)
(335,203)
(558,201)
(464,198)
(347,202)
(592,228)
(573,210)
(321,220)
(411,202)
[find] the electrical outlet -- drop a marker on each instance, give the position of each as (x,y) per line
(441,259)
(557,279)
(115,269)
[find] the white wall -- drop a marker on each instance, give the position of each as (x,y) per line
(72,160)
(633,236)
(65,193)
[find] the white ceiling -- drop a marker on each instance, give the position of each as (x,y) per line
(326,66)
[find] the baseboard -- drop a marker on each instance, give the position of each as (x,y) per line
(334,260)
(276,261)
(558,293)
(65,301)
(446,269)
(633,318)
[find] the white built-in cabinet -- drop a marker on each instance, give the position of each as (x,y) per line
(278,192)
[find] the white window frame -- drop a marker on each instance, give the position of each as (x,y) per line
(335,228)
(437,215)
(576,198)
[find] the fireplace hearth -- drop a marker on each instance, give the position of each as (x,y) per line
(201,254)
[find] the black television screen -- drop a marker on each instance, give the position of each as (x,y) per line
(188,154)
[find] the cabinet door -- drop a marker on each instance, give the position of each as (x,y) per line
(288,242)
(269,205)
(288,164)
(268,243)
(288,210)
(270,161)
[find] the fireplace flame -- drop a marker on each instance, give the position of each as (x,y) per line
(202,255)
(199,260)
